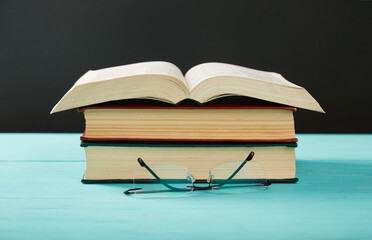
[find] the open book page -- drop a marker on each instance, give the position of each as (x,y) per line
(148,80)
(209,81)
(144,68)
(208,70)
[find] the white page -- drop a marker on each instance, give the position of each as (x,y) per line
(144,68)
(207,70)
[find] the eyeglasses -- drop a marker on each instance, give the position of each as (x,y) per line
(172,179)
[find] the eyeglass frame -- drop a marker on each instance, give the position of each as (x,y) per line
(193,187)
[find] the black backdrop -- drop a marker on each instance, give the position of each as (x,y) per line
(45,46)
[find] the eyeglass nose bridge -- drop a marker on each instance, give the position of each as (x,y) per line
(210,177)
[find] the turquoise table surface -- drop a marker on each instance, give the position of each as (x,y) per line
(41,197)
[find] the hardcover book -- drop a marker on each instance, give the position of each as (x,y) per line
(116,162)
(234,123)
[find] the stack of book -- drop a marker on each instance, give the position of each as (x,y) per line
(207,117)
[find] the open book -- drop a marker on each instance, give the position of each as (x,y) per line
(165,82)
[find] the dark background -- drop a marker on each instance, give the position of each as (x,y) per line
(45,46)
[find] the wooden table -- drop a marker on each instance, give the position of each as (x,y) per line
(41,197)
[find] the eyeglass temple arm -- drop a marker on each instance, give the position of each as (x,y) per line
(138,190)
(143,164)
(249,158)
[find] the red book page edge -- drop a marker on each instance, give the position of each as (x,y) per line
(82,109)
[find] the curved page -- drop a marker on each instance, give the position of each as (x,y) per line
(209,81)
(159,80)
